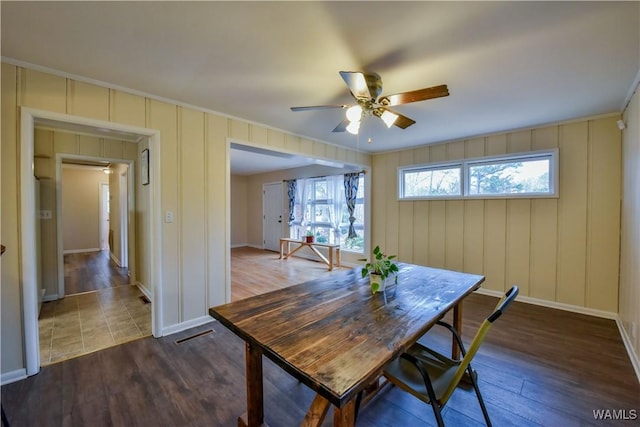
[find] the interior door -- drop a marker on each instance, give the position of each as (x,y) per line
(272,210)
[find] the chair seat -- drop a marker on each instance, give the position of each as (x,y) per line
(441,370)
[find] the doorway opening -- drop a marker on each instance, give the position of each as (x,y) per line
(30,118)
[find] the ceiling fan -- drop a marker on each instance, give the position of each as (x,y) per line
(366,88)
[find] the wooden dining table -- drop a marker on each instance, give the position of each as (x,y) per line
(336,337)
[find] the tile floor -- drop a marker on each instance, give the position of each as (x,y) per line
(83,323)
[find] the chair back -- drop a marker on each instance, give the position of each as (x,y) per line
(502,306)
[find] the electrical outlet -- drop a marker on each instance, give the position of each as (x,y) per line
(45,214)
(168,216)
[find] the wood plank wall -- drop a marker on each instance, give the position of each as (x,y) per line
(630,236)
(562,250)
(194,187)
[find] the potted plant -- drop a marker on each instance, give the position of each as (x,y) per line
(309,236)
(380,267)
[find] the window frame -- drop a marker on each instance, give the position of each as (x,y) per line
(425,168)
(466,164)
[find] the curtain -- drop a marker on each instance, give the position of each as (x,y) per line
(350,194)
(291,192)
(335,191)
(301,195)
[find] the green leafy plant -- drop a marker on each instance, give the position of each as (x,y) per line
(381,264)
(309,233)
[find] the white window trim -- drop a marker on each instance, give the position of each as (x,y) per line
(464,164)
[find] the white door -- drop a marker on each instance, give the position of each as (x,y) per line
(272,211)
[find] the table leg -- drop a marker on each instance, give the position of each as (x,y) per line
(281,248)
(255,408)
(345,416)
(317,412)
(330,258)
(457,324)
(337,257)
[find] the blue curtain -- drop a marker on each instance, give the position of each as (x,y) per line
(291,192)
(350,194)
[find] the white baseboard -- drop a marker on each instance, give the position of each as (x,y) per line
(115,259)
(239,245)
(633,356)
(553,304)
(144,290)
(48,298)
(13,376)
(79,251)
(179,327)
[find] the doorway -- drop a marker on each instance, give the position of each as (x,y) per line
(28,119)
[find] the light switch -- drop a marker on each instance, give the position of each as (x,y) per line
(45,214)
(168,216)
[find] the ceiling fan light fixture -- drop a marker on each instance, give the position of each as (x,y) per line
(389,118)
(353,127)
(354,114)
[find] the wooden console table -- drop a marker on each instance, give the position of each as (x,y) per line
(286,241)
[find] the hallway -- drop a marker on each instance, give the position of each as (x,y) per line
(92,271)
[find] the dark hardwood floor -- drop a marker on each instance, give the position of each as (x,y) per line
(537,367)
(92,271)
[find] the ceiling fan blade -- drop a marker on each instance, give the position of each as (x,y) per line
(401,121)
(415,96)
(357,84)
(318,107)
(342,126)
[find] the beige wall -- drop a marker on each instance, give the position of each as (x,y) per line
(239,211)
(630,244)
(81,208)
(562,250)
(193,179)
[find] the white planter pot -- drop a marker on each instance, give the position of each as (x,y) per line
(377,283)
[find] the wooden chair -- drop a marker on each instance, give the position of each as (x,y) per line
(432,377)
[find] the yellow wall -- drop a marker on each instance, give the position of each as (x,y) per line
(630,244)
(239,210)
(194,187)
(562,250)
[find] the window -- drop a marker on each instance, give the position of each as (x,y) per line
(523,175)
(320,207)
(435,181)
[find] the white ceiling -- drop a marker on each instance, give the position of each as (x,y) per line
(507,64)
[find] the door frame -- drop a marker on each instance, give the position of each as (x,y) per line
(104,222)
(123,195)
(60,158)
(28,259)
